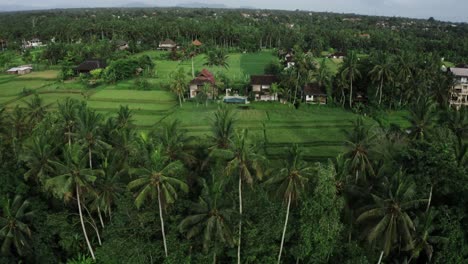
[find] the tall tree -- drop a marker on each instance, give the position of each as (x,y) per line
(179,84)
(157,180)
(72,179)
(210,219)
(388,222)
(14,229)
(291,181)
(421,118)
(350,72)
(382,72)
(223,127)
(243,161)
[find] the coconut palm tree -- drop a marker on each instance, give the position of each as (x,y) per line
(350,72)
(382,72)
(174,141)
(210,219)
(89,124)
(457,121)
(359,143)
(421,118)
(424,239)
(124,118)
(36,109)
(108,188)
(71,180)
(68,112)
(388,221)
(179,84)
(14,230)
(157,180)
(291,181)
(223,127)
(242,162)
(36,153)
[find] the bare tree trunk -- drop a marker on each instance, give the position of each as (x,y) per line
(162,221)
(381,256)
(90,158)
(284,229)
(82,222)
(430,199)
(193,69)
(381,87)
(93,225)
(297,87)
(240,221)
(100,217)
(214,258)
(351,95)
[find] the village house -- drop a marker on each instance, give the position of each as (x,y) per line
(459,92)
(337,55)
(33,43)
(197,43)
(168,44)
(261,87)
(89,65)
(122,45)
(196,85)
(20,70)
(313,93)
(289,60)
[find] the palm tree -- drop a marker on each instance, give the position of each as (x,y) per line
(291,181)
(423,238)
(37,153)
(223,127)
(210,219)
(174,141)
(179,83)
(217,57)
(108,188)
(275,89)
(157,181)
(242,160)
(324,74)
(18,122)
(14,229)
(71,180)
(457,121)
(89,124)
(68,112)
(36,109)
(382,72)
(350,71)
(124,118)
(359,143)
(388,218)
(421,118)
(206,89)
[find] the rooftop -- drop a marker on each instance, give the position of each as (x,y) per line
(263,79)
(460,72)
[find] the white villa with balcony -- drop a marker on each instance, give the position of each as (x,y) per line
(459,93)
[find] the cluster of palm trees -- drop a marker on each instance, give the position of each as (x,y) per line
(90,161)
(386,79)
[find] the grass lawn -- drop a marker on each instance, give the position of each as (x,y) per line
(133,95)
(133,106)
(46,75)
(50,99)
(240,64)
(16,86)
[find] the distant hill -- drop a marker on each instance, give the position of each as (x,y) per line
(11,8)
(201,5)
(138,4)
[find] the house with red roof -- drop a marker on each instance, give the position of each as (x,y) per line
(197,84)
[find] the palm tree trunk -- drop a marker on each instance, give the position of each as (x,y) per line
(297,87)
(351,95)
(90,158)
(69,136)
(284,229)
(430,199)
(82,222)
(380,91)
(240,221)
(100,216)
(180,101)
(193,70)
(214,257)
(162,221)
(381,256)
(93,225)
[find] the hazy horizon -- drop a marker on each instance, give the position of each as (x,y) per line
(448,10)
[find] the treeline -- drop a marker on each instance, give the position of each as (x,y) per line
(246,30)
(77,186)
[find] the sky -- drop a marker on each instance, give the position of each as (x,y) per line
(448,10)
